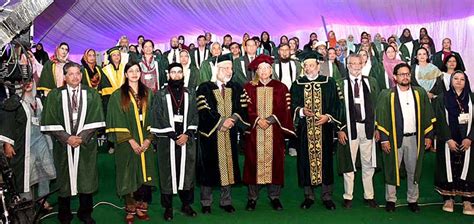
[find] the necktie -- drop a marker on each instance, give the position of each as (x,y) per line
(356,88)
(358,114)
(223,90)
(74,100)
(251,59)
(174,55)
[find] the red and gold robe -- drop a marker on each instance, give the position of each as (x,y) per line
(265,149)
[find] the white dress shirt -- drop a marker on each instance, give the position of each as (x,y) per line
(407,103)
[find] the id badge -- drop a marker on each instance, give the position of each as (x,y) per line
(35,121)
(148,77)
(74,116)
(178,118)
(357,101)
(463,118)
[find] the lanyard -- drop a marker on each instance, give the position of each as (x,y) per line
(175,103)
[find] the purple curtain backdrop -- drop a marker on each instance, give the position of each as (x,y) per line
(99,23)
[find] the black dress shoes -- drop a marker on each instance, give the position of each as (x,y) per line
(251,205)
(307,203)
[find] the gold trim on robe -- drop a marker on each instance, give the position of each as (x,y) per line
(224,146)
(264,137)
(312,101)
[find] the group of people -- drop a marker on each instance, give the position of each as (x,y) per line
(177,120)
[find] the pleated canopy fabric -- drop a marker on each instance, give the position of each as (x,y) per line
(99,23)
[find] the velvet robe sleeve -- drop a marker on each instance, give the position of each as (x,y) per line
(209,118)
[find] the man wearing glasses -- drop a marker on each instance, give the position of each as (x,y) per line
(404,118)
(357,132)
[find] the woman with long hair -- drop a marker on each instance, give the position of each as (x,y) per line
(128,128)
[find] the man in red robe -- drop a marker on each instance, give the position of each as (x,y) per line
(270,119)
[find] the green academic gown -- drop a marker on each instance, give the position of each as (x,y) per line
(47,81)
(389,122)
(371,91)
(20,128)
(315,158)
(443,170)
(406,56)
(172,177)
(378,73)
(76,167)
(132,170)
(86,80)
(438,60)
(208,70)
(242,74)
(193,78)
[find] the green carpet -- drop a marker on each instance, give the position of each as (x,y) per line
(291,198)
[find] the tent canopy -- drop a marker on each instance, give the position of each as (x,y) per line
(99,23)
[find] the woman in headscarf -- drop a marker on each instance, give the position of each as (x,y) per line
(389,61)
(40,54)
(350,44)
(332,41)
(92,73)
(378,45)
(408,46)
(454,170)
(448,68)
(425,74)
(190,72)
(52,75)
(372,68)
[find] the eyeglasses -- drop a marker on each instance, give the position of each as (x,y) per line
(405,74)
(176,72)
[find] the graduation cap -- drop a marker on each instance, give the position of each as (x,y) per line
(113,50)
(224,58)
(308,55)
(263,58)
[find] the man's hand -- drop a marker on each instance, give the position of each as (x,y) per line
(307,112)
(228,124)
(377,135)
(466,144)
(323,119)
(8,150)
(452,145)
(263,123)
(182,139)
(428,143)
(342,137)
(74,141)
(386,147)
